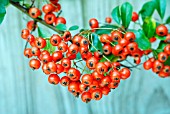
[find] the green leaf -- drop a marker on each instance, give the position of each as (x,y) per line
(17,0)
(147,9)
(126,14)
(78,56)
(106,31)
(95,42)
(5,2)
(160,37)
(61,27)
(168,20)
(161,46)
(75,27)
(116,15)
(2,12)
(142,41)
(160,7)
(149,27)
(167,62)
(42,33)
(110,57)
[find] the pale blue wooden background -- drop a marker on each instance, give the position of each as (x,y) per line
(23,91)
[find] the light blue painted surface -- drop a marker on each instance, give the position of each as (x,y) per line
(23,91)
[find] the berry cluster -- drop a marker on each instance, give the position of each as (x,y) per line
(100,74)
(157,64)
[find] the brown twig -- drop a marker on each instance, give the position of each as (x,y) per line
(24,10)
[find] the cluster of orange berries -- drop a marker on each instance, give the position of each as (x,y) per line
(158,65)
(49,10)
(103,75)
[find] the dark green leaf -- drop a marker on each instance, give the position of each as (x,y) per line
(110,57)
(168,20)
(116,15)
(61,27)
(167,62)
(95,42)
(126,14)
(142,41)
(2,12)
(27,5)
(5,2)
(17,0)
(147,9)
(105,31)
(78,56)
(161,7)
(50,48)
(43,33)
(160,37)
(161,46)
(149,27)
(75,27)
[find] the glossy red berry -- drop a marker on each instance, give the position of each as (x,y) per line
(27,53)
(167,49)
(167,40)
(96,94)
(57,56)
(130,36)
(34,12)
(49,18)
(162,56)
(25,33)
(31,25)
(93,23)
(108,20)
(35,51)
(105,38)
(40,43)
(51,67)
(60,20)
(147,65)
(125,73)
(116,36)
(107,49)
(73,74)
(34,64)
(48,8)
(62,46)
(134,16)
(73,49)
(86,97)
(91,62)
(117,50)
(87,79)
(65,81)
(53,79)
(101,68)
(161,30)
(66,63)
(55,40)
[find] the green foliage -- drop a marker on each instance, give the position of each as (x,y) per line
(94,39)
(142,41)
(42,33)
(160,7)
(167,62)
(161,46)
(2,12)
(126,14)
(78,56)
(75,27)
(61,27)
(4,2)
(106,31)
(168,20)
(116,15)
(147,9)
(17,0)
(110,57)
(149,27)
(160,37)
